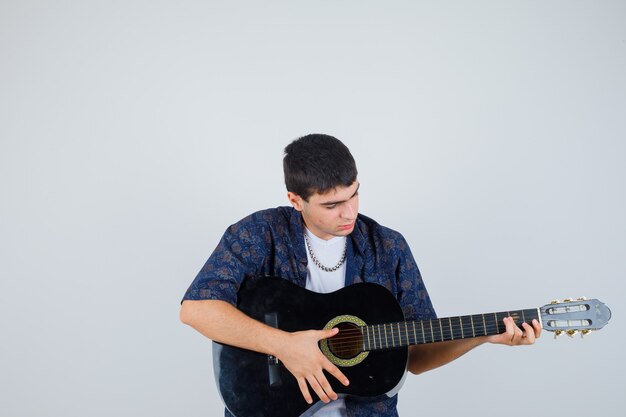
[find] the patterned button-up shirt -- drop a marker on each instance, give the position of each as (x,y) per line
(271,242)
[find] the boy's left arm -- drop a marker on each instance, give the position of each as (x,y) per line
(425,357)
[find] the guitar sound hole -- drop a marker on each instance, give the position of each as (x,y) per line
(348,342)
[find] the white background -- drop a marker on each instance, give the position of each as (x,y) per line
(490,133)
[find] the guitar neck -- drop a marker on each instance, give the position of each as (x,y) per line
(406,333)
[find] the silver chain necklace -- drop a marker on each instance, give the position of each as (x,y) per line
(318,263)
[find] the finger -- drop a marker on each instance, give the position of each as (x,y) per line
(325,334)
(318,388)
(515,332)
(529,334)
(509,328)
(334,371)
(321,379)
(519,334)
(537,327)
(304,389)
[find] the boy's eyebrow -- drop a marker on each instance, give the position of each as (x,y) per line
(331,203)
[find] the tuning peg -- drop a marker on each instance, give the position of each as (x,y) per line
(568,300)
(556,301)
(557,333)
(584,333)
(571,333)
(583,298)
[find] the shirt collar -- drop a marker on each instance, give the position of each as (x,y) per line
(296,234)
(296,225)
(357,245)
(358,237)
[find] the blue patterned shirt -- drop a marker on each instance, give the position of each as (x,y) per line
(271,242)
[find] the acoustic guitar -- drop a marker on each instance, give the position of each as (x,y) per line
(371,348)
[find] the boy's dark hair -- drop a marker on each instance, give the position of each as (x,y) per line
(317,163)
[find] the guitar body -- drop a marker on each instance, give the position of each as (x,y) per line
(254,385)
(371,348)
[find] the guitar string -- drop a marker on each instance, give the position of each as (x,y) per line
(347,338)
(355,337)
(393,327)
(351,337)
(344,340)
(407,329)
(356,344)
(358,341)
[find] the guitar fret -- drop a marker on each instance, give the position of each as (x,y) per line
(443,334)
(423,334)
(477,323)
(440,330)
(432,334)
(374,329)
(414,335)
(406,331)
(386,341)
(399,341)
(393,335)
(467,326)
(497,324)
(461,325)
(399,335)
(451,330)
(473,331)
(484,324)
(380,339)
(447,329)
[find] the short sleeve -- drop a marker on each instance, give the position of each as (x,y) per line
(238,255)
(412,294)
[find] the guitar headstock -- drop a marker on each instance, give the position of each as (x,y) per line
(572,316)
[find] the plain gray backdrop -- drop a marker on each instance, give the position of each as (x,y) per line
(490,133)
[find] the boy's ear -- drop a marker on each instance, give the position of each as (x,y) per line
(296,201)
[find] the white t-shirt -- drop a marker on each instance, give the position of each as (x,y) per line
(328,253)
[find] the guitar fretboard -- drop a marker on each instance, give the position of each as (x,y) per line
(405,333)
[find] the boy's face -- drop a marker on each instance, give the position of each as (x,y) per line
(330,214)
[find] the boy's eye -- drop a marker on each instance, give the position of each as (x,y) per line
(332,206)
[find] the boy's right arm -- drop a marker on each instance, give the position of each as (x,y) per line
(299,352)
